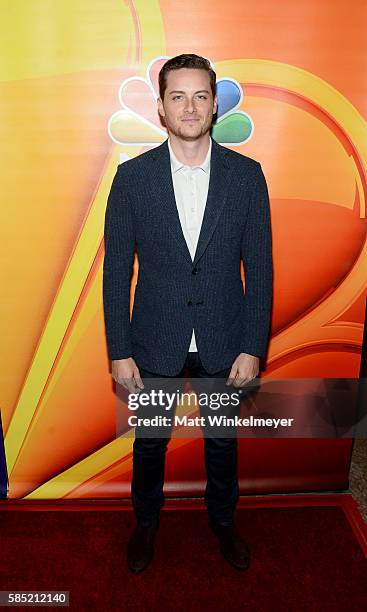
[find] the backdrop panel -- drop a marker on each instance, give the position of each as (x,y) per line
(77,96)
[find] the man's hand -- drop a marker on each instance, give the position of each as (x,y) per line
(126,373)
(245,368)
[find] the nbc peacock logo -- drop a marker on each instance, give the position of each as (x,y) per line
(138,122)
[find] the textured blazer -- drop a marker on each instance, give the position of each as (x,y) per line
(174,294)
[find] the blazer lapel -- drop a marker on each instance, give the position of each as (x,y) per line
(162,186)
(217,195)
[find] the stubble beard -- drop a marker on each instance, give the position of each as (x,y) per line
(184,134)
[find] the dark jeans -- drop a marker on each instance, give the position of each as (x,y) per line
(221,493)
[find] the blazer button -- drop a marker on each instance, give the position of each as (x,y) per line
(194,271)
(189,303)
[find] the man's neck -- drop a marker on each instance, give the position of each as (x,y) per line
(190,152)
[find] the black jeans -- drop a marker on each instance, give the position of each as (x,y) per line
(222,491)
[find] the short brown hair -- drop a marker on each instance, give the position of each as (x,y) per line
(186,60)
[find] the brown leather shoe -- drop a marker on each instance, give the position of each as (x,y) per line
(140,548)
(232,546)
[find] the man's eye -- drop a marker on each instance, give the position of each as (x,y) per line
(202,96)
(176,97)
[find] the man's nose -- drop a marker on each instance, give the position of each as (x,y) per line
(190,105)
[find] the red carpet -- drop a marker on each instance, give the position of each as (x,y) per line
(304,557)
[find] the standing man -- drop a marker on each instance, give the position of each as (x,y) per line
(192,209)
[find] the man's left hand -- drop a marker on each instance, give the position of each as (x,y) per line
(244,369)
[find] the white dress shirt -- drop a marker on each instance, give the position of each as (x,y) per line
(191,185)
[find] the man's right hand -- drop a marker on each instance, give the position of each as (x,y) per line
(126,373)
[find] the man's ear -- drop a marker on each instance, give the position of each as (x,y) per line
(215,105)
(160,107)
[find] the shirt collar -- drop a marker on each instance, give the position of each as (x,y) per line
(177,165)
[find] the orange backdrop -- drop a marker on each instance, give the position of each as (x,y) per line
(69,115)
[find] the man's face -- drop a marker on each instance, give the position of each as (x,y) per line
(188,104)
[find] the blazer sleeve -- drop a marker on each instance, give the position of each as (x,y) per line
(257,259)
(119,243)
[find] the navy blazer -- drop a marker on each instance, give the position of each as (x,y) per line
(174,294)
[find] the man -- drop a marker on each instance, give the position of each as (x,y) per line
(192,209)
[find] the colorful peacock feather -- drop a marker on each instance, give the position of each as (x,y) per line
(138,123)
